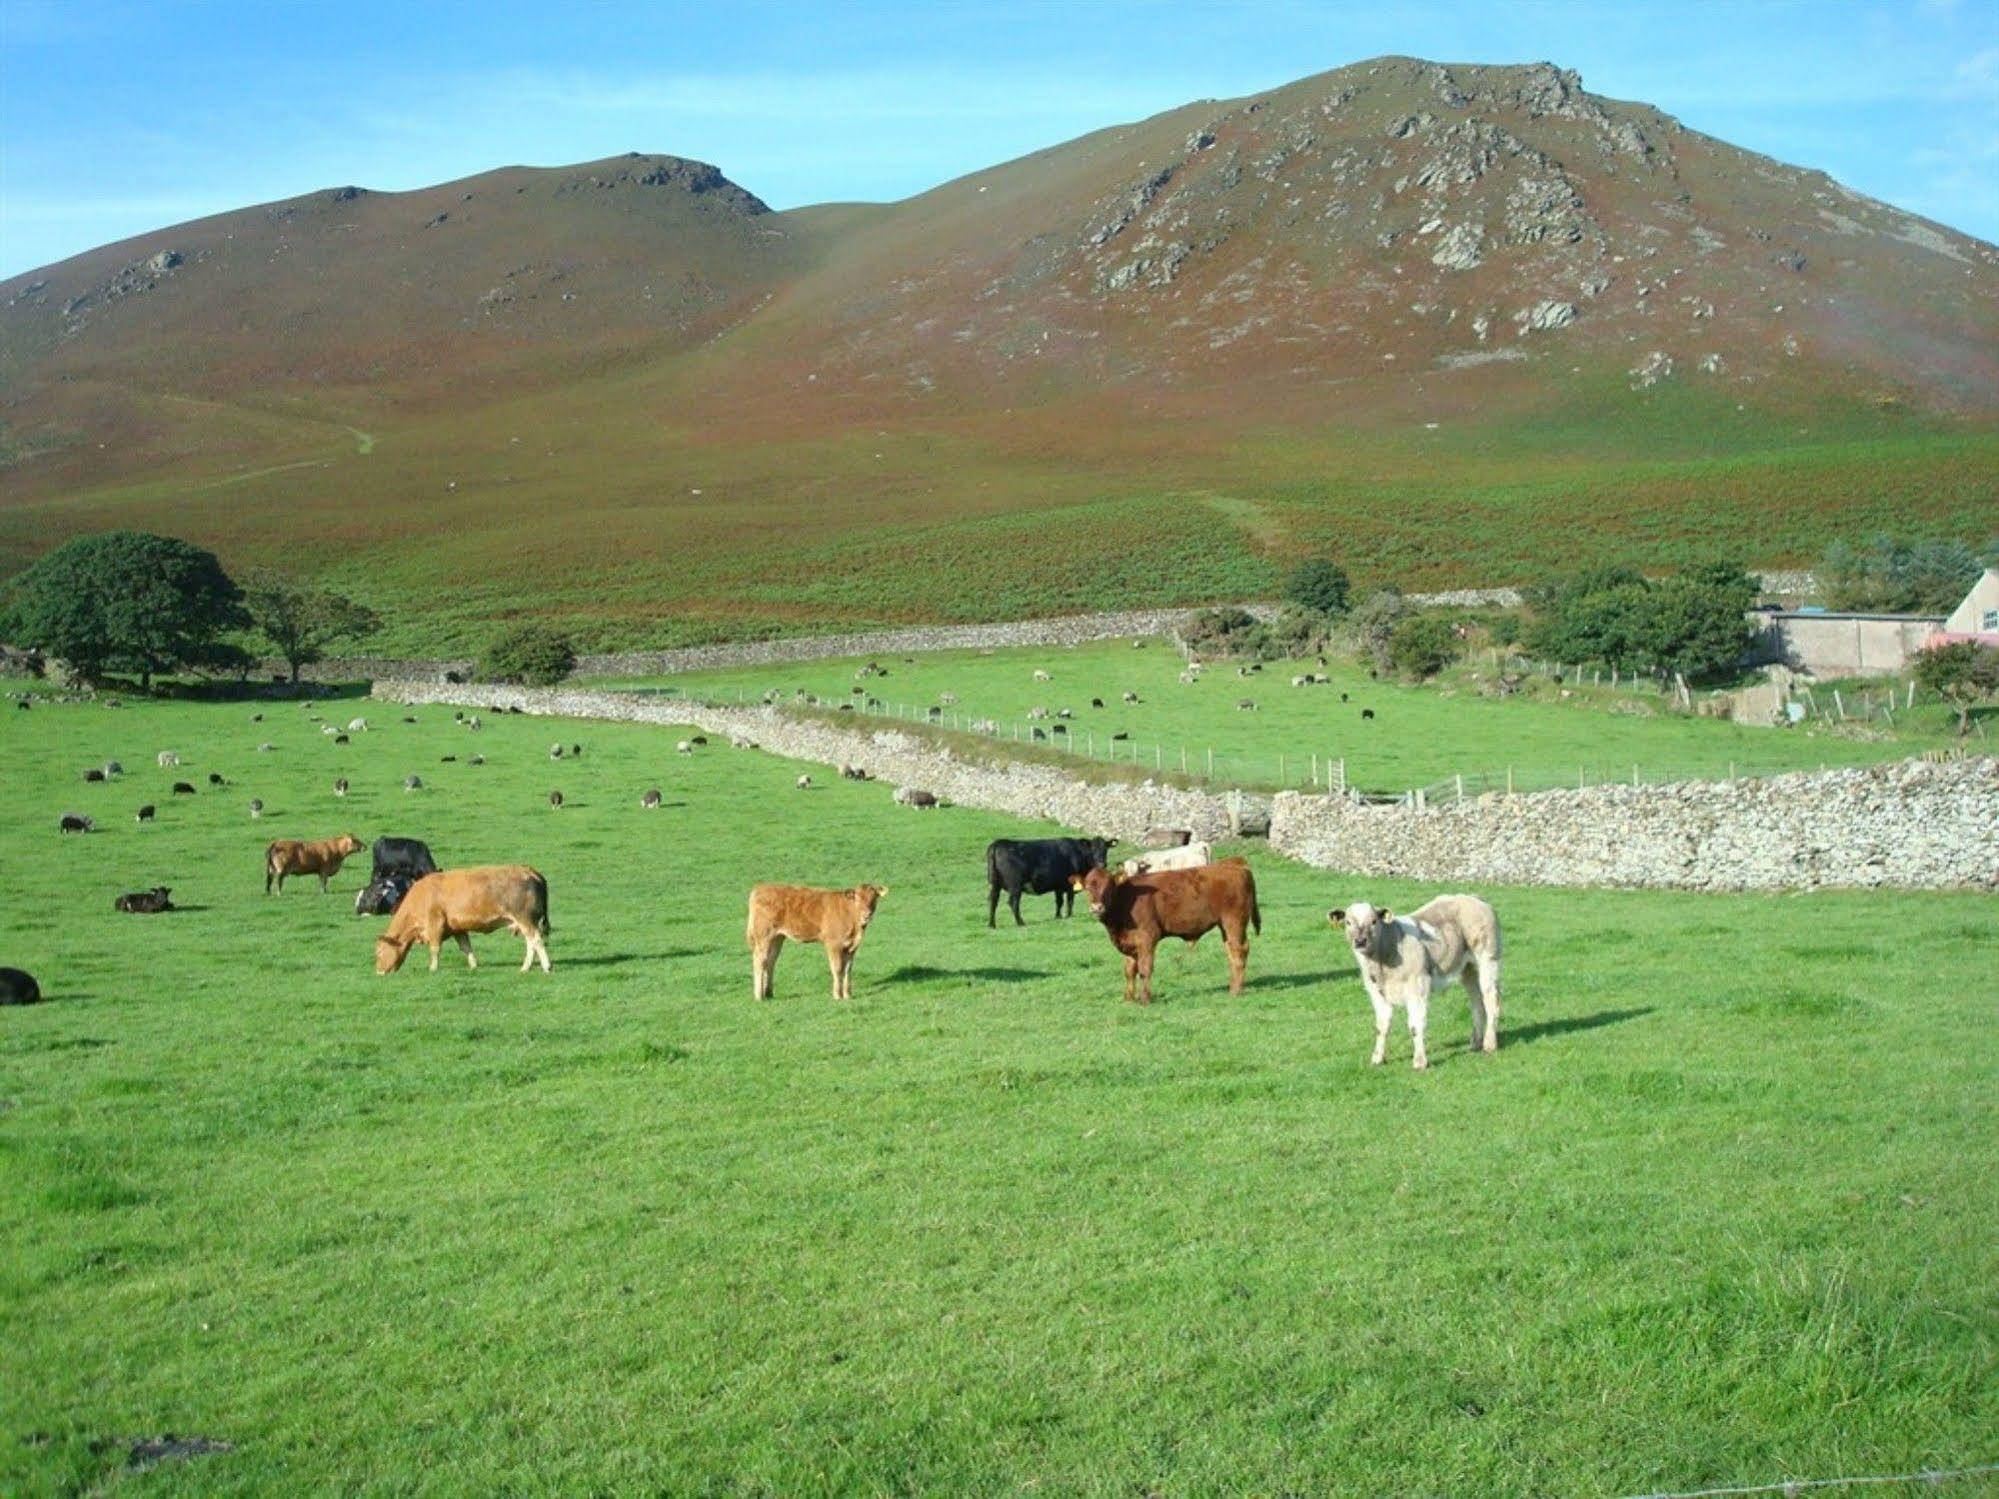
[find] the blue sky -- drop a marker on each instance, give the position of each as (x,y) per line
(116,118)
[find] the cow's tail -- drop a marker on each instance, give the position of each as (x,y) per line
(540,884)
(1255,911)
(270,866)
(992,865)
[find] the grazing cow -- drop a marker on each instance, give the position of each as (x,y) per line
(650,801)
(340,786)
(182,788)
(75,822)
(910,796)
(1404,958)
(1039,866)
(18,987)
(410,856)
(836,919)
(93,775)
(412,783)
(1167,837)
(1186,856)
(555,801)
(382,894)
(1186,903)
(458,902)
(256,806)
(145,902)
(146,813)
(318,856)
(167,758)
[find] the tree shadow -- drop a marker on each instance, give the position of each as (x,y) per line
(618,959)
(916,973)
(1521,1035)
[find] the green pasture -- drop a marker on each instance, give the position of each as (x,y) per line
(1721,1209)
(1421,735)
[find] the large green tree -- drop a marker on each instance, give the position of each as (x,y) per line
(1695,622)
(128,601)
(300,623)
(1963,673)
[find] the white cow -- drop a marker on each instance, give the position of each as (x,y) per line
(1403,958)
(1186,856)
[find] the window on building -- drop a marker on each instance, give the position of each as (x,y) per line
(1988,622)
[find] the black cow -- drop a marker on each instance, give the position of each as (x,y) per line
(17,987)
(382,894)
(1039,866)
(410,856)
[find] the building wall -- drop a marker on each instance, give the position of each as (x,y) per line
(1848,645)
(1969,618)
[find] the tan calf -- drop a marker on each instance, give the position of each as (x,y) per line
(1404,958)
(455,903)
(320,856)
(837,919)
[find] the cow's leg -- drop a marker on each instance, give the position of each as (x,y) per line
(1419,1024)
(1236,942)
(836,960)
(992,903)
(1145,975)
(1488,982)
(464,942)
(541,948)
(1469,977)
(766,964)
(1384,1012)
(1013,904)
(1130,979)
(323,878)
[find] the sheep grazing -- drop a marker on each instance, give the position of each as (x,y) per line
(447,759)
(256,718)
(459,716)
(412,783)
(182,788)
(742,742)
(167,758)
(1042,676)
(1096,702)
(555,800)
(113,768)
(555,752)
(145,813)
(698,739)
(476,760)
(16,986)
(256,806)
(357,725)
(852,773)
(1131,697)
(948,699)
(145,902)
(263,749)
(215,778)
(650,801)
(340,786)
(75,822)
(804,783)
(473,724)
(409,718)
(1247,705)
(575,751)
(910,796)
(328,729)
(1367,713)
(685,747)
(93,775)
(341,739)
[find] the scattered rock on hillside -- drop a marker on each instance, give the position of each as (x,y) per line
(1544,316)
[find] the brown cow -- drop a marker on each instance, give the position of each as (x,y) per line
(457,902)
(1139,910)
(837,919)
(320,856)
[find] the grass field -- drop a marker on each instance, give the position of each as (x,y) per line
(1420,735)
(1720,1210)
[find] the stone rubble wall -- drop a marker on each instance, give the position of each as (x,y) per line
(1913,824)
(1040,792)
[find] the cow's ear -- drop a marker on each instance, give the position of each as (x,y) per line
(1337,916)
(880,891)
(1384,914)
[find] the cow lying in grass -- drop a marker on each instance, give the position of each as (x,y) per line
(836,919)
(459,902)
(1140,911)
(1404,958)
(320,856)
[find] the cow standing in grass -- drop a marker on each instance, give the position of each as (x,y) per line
(318,856)
(836,919)
(1139,912)
(1039,866)
(1403,958)
(459,902)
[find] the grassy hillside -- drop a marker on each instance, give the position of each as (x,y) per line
(985,1227)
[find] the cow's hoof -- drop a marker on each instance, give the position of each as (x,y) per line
(1421,1064)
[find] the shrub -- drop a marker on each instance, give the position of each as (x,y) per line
(128,601)
(1226,632)
(532,655)
(1898,576)
(1963,673)
(1695,622)
(1372,624)
(1423,645)
(1318,586)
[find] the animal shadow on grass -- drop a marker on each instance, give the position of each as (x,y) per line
(1286,980)
(919,973)
(1521,1035)
(618,959)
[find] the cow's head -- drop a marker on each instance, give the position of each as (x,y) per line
(866,898)
(1100,851)
(349,845)
(1097,884)
(389,954)
(1363,924)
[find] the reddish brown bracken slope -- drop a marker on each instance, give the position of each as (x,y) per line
(1401,277)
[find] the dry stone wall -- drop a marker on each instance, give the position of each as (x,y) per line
(1913,825)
